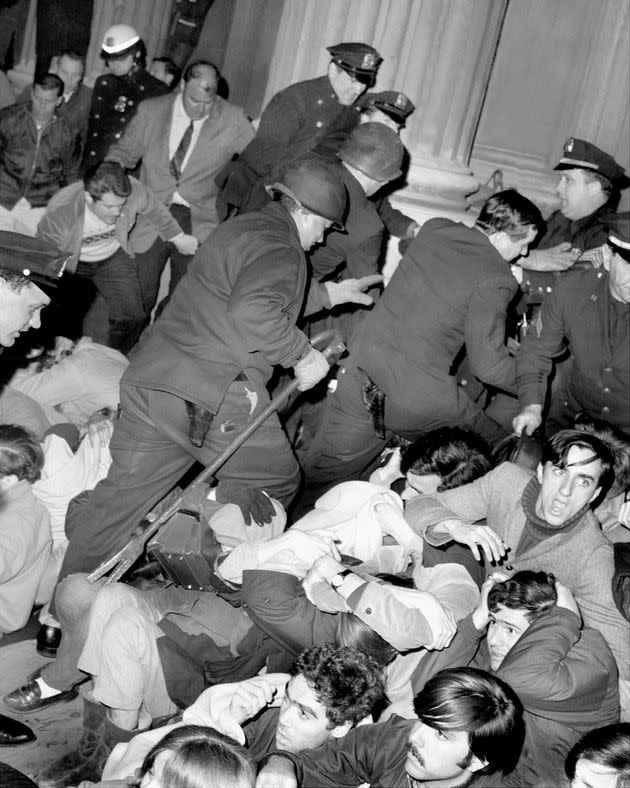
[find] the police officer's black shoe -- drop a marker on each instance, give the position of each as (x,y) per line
(13,732)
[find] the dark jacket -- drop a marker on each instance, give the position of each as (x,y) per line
(451,288)
(587,233)
(579,309)
(114,103)
(235,309)
(566,680)
(31,165)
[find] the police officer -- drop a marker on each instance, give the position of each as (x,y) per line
(296,120)
(116,95)
(592,310)
(25,264)
(588,188)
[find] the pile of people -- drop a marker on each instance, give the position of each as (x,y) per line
(385,600)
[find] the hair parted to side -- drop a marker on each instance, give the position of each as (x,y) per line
(486,708)
(192,70)
(21,453)
(106,177)
(616,441)
(48,81)
(357,635)
(347,682)
(202,757)
(509,212)
(608,746)
(457,456)
(533,592)
(556,450)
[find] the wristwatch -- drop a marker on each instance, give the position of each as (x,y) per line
(337,580)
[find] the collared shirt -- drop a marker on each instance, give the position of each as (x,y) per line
(179,123)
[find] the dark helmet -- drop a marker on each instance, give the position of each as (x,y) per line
(313,185)
(375,150)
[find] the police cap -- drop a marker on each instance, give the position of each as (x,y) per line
(395,104)
(580,154)
(359,60)
(37,260)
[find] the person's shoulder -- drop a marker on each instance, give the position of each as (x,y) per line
(156,104)
(230,111)
(69,194)
(15,110)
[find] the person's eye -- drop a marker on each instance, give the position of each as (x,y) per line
(558,471)
(510,630)
(583,482)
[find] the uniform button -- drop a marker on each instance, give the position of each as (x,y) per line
(607,369)
(549,290)
(99,98)
(97,117)
(95,134)
(117,136)
(320,101)
(319,124)
(123,120)
(141,87)
(606,390)
(605,409)
(463,382)
(92,153)
(368,610)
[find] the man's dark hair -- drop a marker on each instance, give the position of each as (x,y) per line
(533,592)
(191,70)
(14,280)
(457,456)
(556,450)
(48,81)
(108,176)
(486,708)
(72,55)
(616,441)
(21,453)
(171,68)
(345,681)
(609,747)
(511,213)
(356,634)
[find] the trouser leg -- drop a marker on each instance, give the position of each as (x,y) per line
(74,597)
(150,265)
(345,443)
(179,261)
(117,280)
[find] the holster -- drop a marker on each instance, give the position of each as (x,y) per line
(200,420)
(374,401)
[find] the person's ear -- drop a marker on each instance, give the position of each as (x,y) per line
(339,731)
(59,100)
(476,765)
(539,472)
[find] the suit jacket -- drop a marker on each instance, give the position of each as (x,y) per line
(451,288)
(62,224)
(225,132)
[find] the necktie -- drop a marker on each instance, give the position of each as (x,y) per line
(180,153)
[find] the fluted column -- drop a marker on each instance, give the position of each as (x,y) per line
(22,73)
(439,52)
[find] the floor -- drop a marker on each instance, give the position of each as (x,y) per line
(57,728)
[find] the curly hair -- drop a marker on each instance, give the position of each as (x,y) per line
(533,592)
(21,453)
(346,682)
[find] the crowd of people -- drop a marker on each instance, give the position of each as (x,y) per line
(370,589)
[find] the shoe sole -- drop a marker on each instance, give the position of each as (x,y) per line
(50,653)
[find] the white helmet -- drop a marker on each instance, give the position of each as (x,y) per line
(119,38)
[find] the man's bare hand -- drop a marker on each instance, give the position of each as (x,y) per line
(476,537)
(100,428)
(186,244)
(350,291)
(529,419)
(556,258)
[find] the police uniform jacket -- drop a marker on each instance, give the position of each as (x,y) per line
(31,165)
(114,103)
(359,246)
(451,288)
(587,233)
(598,330)
(235,310)
(224,132)
(62,224)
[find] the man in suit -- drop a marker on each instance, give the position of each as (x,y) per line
(451,289)
(183,141)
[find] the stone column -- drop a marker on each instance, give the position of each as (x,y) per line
(439,52)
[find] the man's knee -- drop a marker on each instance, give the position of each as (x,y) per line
(111,597)
(74,596)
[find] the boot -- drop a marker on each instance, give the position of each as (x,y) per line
(88,761)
